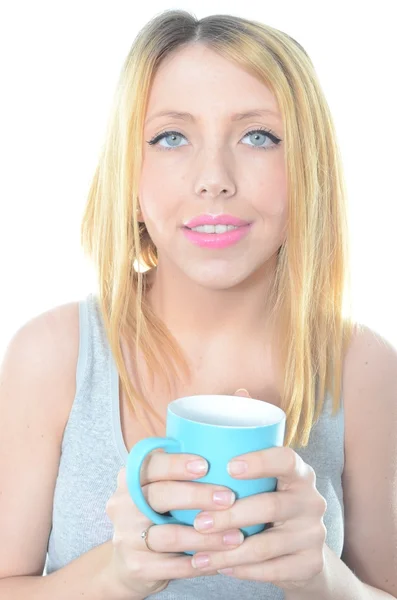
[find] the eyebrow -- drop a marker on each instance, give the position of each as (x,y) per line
(239,116)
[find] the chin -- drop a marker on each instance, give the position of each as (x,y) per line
(223,278)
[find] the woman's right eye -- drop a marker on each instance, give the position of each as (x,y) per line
(164,135)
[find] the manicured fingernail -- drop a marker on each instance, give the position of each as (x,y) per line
(242,392)
(233,538)
(203,521)
(225,571)
(237,467)
(225,498)
(198,562)
(197,467)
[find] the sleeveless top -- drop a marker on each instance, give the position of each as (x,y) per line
(93,452)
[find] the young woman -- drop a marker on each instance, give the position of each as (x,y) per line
(220,172)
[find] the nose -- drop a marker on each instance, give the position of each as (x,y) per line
(215,189)
(214,179)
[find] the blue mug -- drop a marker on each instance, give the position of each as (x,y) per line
(217,428)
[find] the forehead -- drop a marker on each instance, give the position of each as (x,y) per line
(197,80)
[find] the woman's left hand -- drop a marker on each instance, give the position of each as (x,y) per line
(291,553)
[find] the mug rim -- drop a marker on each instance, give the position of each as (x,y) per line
(280,413)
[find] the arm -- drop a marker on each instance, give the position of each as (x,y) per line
(368,569)
(37,388)
(83,577)
(86,577)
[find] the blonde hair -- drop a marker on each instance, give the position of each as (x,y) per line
(312,275)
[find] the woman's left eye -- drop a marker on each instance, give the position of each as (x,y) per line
(259,133)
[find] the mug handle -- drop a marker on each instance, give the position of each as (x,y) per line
(135,459)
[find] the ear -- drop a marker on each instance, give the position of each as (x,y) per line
(242,392)
(139,215)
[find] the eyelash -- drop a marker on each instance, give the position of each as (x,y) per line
(269,133)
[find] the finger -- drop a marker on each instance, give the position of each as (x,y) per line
(167,568)
(242,392)
(269,507)
(181,538)
(164,496)
(161,466)
(122,478)
(260,547)
(285,568)
(281,462)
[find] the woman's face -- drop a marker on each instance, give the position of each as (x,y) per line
(210,166)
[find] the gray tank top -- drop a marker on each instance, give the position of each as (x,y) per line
(93,452)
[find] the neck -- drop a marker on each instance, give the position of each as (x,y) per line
(193,312)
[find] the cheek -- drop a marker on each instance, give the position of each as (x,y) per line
(160,212)
(158,193)
(151,199)
(272,202)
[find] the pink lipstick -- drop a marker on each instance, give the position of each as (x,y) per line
(215,231)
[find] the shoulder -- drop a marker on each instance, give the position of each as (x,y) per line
(369,373)
(43,353)
(369,351)
(369,384)
(37,390)
(52,335)
(370,408)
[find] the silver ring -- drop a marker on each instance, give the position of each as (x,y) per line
(144,535)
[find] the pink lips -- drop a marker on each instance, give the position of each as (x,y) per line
(216,240)
(216,220)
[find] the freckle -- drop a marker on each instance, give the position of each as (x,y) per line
(366,362)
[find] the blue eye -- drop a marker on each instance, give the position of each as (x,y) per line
(262,132)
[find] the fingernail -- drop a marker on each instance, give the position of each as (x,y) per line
(200,561)
(226,571)
(233,538)
(203,521)
(242,392)
(225,498)
(237,467)
(197,467)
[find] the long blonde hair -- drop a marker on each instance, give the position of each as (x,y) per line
(312,276)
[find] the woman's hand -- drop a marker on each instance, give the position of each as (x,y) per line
(290,554)
(136,572)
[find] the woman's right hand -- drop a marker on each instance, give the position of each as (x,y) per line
(134,568)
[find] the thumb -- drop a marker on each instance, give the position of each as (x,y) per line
(242,392)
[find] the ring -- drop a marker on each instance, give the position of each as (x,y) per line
(144,535)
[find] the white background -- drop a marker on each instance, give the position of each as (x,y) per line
(60,62)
